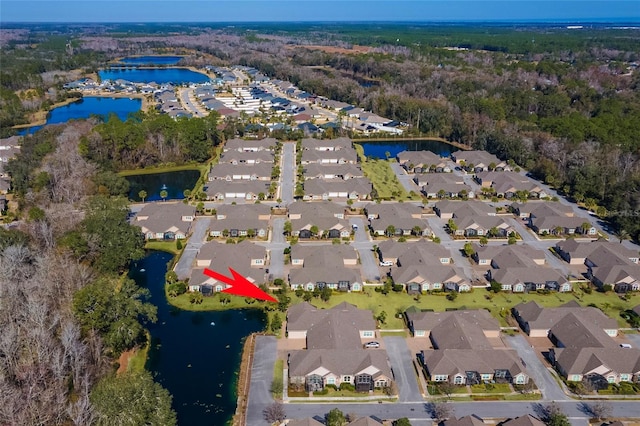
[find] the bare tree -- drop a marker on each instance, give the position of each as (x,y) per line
(599,410)
(274,413)
(440,410)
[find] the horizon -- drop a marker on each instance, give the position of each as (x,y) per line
(317,11)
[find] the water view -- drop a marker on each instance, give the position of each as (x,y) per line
(86,107)
(195,355)
(173,182)
(157,75)
(151,60)
(379,149)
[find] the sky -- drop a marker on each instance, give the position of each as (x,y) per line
(316,10)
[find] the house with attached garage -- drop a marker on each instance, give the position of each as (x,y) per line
(165,220)
(537,321)
(526,211)
(328,189)
(480,226)
(576,252)
(422,162)
(510,184)
(337,156)
(312,144)
(252,190)
(233,172)
(248,259)
(250,145)
(334,352)
(449,209)
(245,220)
(520,268)
(332,266)
(322,220)
(606,266)
(479,161)
(332,171)
(403,219)
(443,185)
(459,349)
(423,266)
(583,351)
(249,157)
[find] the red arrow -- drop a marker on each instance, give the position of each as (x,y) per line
(240,286)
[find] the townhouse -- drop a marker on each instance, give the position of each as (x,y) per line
(479,161)
(332,266)
(165,220)
(396,219)
(422,162)
(246,220)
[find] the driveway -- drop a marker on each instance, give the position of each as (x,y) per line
(197,239)
(288,172)
(405,179)
(368,262)
(550,389)
(263,360)
(403,371)
(437,226)
(276,247)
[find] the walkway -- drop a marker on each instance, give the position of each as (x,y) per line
(405,179)
(364,246)
(402,365)
(288,173)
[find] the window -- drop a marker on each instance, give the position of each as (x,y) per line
(624,377)
(444,260)
(459,380)
(437,285)
(367,334)
(331,381)
(575,378)
(259,261)
(346,379)
(440,378)
(611,379)
(420,333)
(486,377)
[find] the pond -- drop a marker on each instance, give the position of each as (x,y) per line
(195,355)
(173,182)
(379,149)
(88,106)
(151,60)
(157,75)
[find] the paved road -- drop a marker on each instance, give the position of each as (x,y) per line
(276,246)
(550,389)
(261,377)
(635,339)
(188,105)
(405,179)
(288,173)
(484,409)
(197,239)
(405,376)
(362,243)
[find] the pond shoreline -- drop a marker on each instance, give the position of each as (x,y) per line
(392,138)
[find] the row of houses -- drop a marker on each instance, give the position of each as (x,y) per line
(331,170)
(9,148)
(584,348)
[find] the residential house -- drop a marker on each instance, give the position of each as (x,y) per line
(165,220)
(399,253)
(422,162)
(312,144)
(252,190)
(526,420)
(403,219)
(326,216)
(479,161)
(479,226)
(328,189)
(449,209)
(246,157)
(334,353)
(460,351)
(530,209)
(561,225)
(537,321)
(332,171)
(332,266)
(246,220)
(576,252)
(309,421)
(606,266)
(443,186)
(337,156)
(527,255)
(247,259)
(472,420)
(510,184)
(233,172)
(242,145)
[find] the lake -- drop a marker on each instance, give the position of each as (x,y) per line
(173,182)
(88,106)
(151,60)
(195,360)
(378,149)
(158,75)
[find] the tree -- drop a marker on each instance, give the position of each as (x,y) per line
(440,410)
(314,230)
(446,388)
(325,293)
(287,227)
(468,249)
(452,227)
(132,399)
(416,230)
(484,240)
(552,415)
(335,417)
(142,194)
(164,194)
(495,286)
(276,323)
(186,193)
(274,413)
(276,389)
(390,231)
(382,317)
(600,410)
(404,421)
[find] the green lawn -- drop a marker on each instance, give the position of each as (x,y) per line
(168,246)
(498,388)
(394,303)
(278,375)
(384,180)
(139,359)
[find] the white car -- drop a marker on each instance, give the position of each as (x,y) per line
(372,345)
(386,263)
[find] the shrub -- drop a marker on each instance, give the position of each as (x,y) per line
(347,387)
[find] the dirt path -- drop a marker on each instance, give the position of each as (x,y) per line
(123,361)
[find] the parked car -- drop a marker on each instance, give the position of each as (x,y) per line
(386,263)
(372,345)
